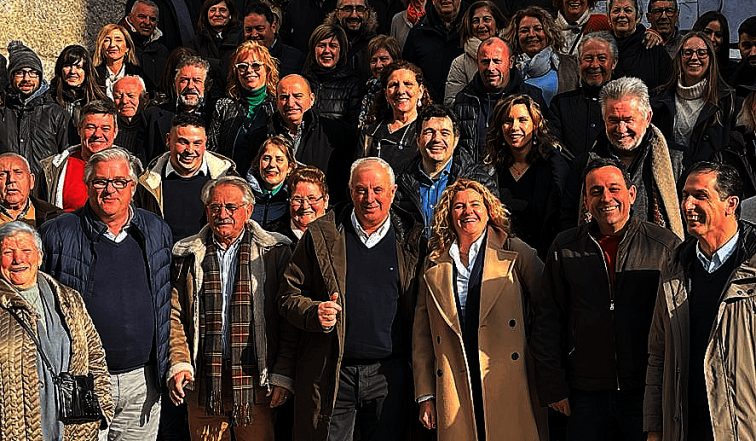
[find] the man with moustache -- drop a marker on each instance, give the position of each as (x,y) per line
(173,182)
(325,143)
(261,25)
(630,137)
(497,78)
(142,24)
(191,83)
(575,116)
(31,122)
(359,22)
(64,172)
(744,73)
(16,201)
(600,283)
(433,43)
(701,346)
(139,126)
(663,16)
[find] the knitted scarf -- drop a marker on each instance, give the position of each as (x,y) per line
(243,363)
(253,99)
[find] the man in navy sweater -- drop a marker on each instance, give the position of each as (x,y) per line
(118,257)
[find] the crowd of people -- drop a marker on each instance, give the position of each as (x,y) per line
(368,220)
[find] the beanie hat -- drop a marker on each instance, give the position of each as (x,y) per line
(21,57)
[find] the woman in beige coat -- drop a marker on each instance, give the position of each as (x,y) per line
(473,376)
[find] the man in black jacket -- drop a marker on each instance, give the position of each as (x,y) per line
(439,165)
(496,78)
(261,25)
(359,22)
(590,331)
(150,51)
(744,73)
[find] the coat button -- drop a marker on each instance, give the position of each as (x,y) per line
(515,356)
(439,373)
(593,125)
(512,323)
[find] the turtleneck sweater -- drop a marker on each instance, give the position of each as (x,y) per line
(688,104)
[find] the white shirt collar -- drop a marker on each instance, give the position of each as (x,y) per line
(203,168)
(472,254)
(370,240)
(720,256)
(124,231)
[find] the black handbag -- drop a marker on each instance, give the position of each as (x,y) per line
(74,394)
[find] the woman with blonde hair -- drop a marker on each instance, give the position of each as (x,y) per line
(114,57)
(249,102)
(470,352)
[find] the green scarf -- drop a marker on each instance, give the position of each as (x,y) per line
(253,99)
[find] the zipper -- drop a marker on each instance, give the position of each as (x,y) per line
(611,303)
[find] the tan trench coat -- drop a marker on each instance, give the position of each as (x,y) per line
(511,274)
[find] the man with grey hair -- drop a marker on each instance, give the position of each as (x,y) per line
(118,257)
(630,137)
(663,16)
(139,126)
(16,201)
(234,266)
(360,353)
(142,24)
(191,83)
(575,116)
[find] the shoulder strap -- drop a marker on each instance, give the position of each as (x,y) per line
(34,339)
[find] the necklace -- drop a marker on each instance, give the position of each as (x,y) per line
(517,172)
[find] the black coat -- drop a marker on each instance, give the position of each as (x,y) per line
(741,154)
(217,53)
(432,46)
(152,56)
(301,18)
(290,58)
(742,74)
(474,106)
(228,118)
(653,66)
(711,132)
(575,119)
(131,69)
(338,92)
(145,135)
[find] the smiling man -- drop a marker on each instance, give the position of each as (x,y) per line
(16,201)
(148,40)
(663,16)
(702,319)
(359,22)
(261,25)
(600,283)
(173,184)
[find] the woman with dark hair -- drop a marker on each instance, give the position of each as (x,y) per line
(250,91)
(653,65)
(74,85)
(392,124)
(218,35)
(714,25)
(267,176)
(695,109)
(337,88)
(536,41)
(381,51)
(532,172)
(481,21)
(470,355)
(114,57)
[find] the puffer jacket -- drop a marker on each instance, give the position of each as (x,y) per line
(19,378)
(462,71)
(474,106)
(730,355)
(575,119)
(35,128)
(590,334)
(317,270)
(268,208)
(338,92)
(711,132)
(69,242)
(151,53)
(653,66)
(228,118)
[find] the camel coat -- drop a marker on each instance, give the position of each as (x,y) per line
(511,274)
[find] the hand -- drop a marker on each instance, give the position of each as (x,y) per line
(562,406)
(651,38)
(654,436)
(176,386)
(428,414)
(327,311)
(279,396)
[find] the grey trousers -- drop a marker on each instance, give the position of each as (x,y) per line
(137,406)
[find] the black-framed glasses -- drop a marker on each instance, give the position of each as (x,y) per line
(216,208)
(298,202)
(351,8)
(21,72)
(660,11)
(702,53)
(244,67)
(118,184)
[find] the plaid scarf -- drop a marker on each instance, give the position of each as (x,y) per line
(242,313)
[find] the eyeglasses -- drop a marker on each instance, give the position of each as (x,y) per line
(660,11)
(118,184)
(350,8)
(298,202)
(216,208)
(702,53)
(22,72)
(244,67)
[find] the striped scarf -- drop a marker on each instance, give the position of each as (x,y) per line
(243,362)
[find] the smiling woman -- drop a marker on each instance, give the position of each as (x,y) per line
(267,177)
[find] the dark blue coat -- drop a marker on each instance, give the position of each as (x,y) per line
(69,241)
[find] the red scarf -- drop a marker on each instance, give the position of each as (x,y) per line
(415,12)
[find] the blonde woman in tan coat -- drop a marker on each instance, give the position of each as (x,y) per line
(472,368)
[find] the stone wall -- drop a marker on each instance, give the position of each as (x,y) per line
(47,26)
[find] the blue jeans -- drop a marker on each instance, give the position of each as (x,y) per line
(374,396)
(606,415)
(137,406)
